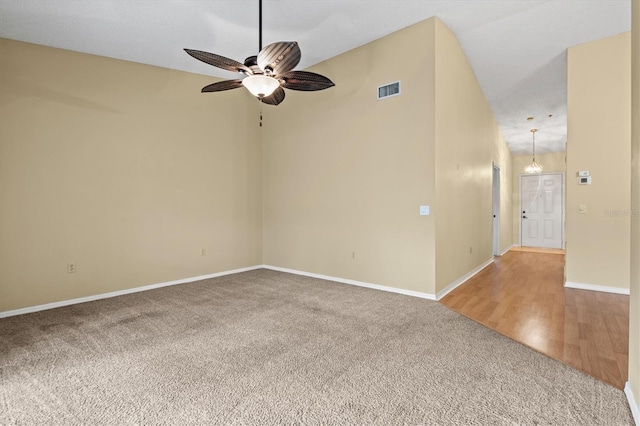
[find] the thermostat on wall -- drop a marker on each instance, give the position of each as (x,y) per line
(584,180)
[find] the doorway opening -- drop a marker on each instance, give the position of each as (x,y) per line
(496,209)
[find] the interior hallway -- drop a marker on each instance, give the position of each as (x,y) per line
(522,296)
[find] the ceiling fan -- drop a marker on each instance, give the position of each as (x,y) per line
(266,74)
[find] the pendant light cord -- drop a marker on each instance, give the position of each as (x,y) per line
(533,133)
(534,147)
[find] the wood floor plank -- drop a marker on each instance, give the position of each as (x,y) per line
(522,296)
(590,359)
(611,324)
(572,355)
(620,343)
(623,363)
(610,370)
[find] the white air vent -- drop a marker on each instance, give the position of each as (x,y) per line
(391,89)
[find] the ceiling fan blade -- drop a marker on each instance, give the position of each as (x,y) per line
(275,98)
(279,57)
(222,86)
(219,61)
(305,81)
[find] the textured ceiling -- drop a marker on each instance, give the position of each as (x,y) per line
(517,48)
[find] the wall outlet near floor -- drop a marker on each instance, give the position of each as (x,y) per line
(470,250)
(353,254)
(71,268)
(203,252)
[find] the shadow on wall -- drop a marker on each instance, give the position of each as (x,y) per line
(16,89)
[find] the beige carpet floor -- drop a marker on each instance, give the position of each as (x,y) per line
(265,347)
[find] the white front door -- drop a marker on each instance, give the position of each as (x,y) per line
(541,201)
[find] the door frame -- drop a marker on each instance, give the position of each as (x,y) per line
(562,203)
(495,209)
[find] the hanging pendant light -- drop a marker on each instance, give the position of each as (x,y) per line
(533,167)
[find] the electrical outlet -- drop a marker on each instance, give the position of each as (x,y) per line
(470,250)
(353,254)
(203,252)
(71,268)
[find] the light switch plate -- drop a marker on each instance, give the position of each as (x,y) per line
(424,211)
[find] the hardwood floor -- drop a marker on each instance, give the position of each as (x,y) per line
(538,250)
(522,296)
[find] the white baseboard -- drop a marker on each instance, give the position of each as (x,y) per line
(509,248)
(594,287)
(635,409)
(120,292)
(353,282)
(448,289)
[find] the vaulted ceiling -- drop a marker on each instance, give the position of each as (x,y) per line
(517,48)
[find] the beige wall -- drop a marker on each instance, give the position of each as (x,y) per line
(599,132)
(634,319)
(551,162)
(124,180)
(125,170)
(468,141)
(347,173)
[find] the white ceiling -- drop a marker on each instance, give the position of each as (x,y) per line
(517,48)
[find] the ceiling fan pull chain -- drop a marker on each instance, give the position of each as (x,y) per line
(261,112)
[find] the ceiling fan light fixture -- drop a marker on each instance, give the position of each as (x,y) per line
(260,85)
(268,73)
